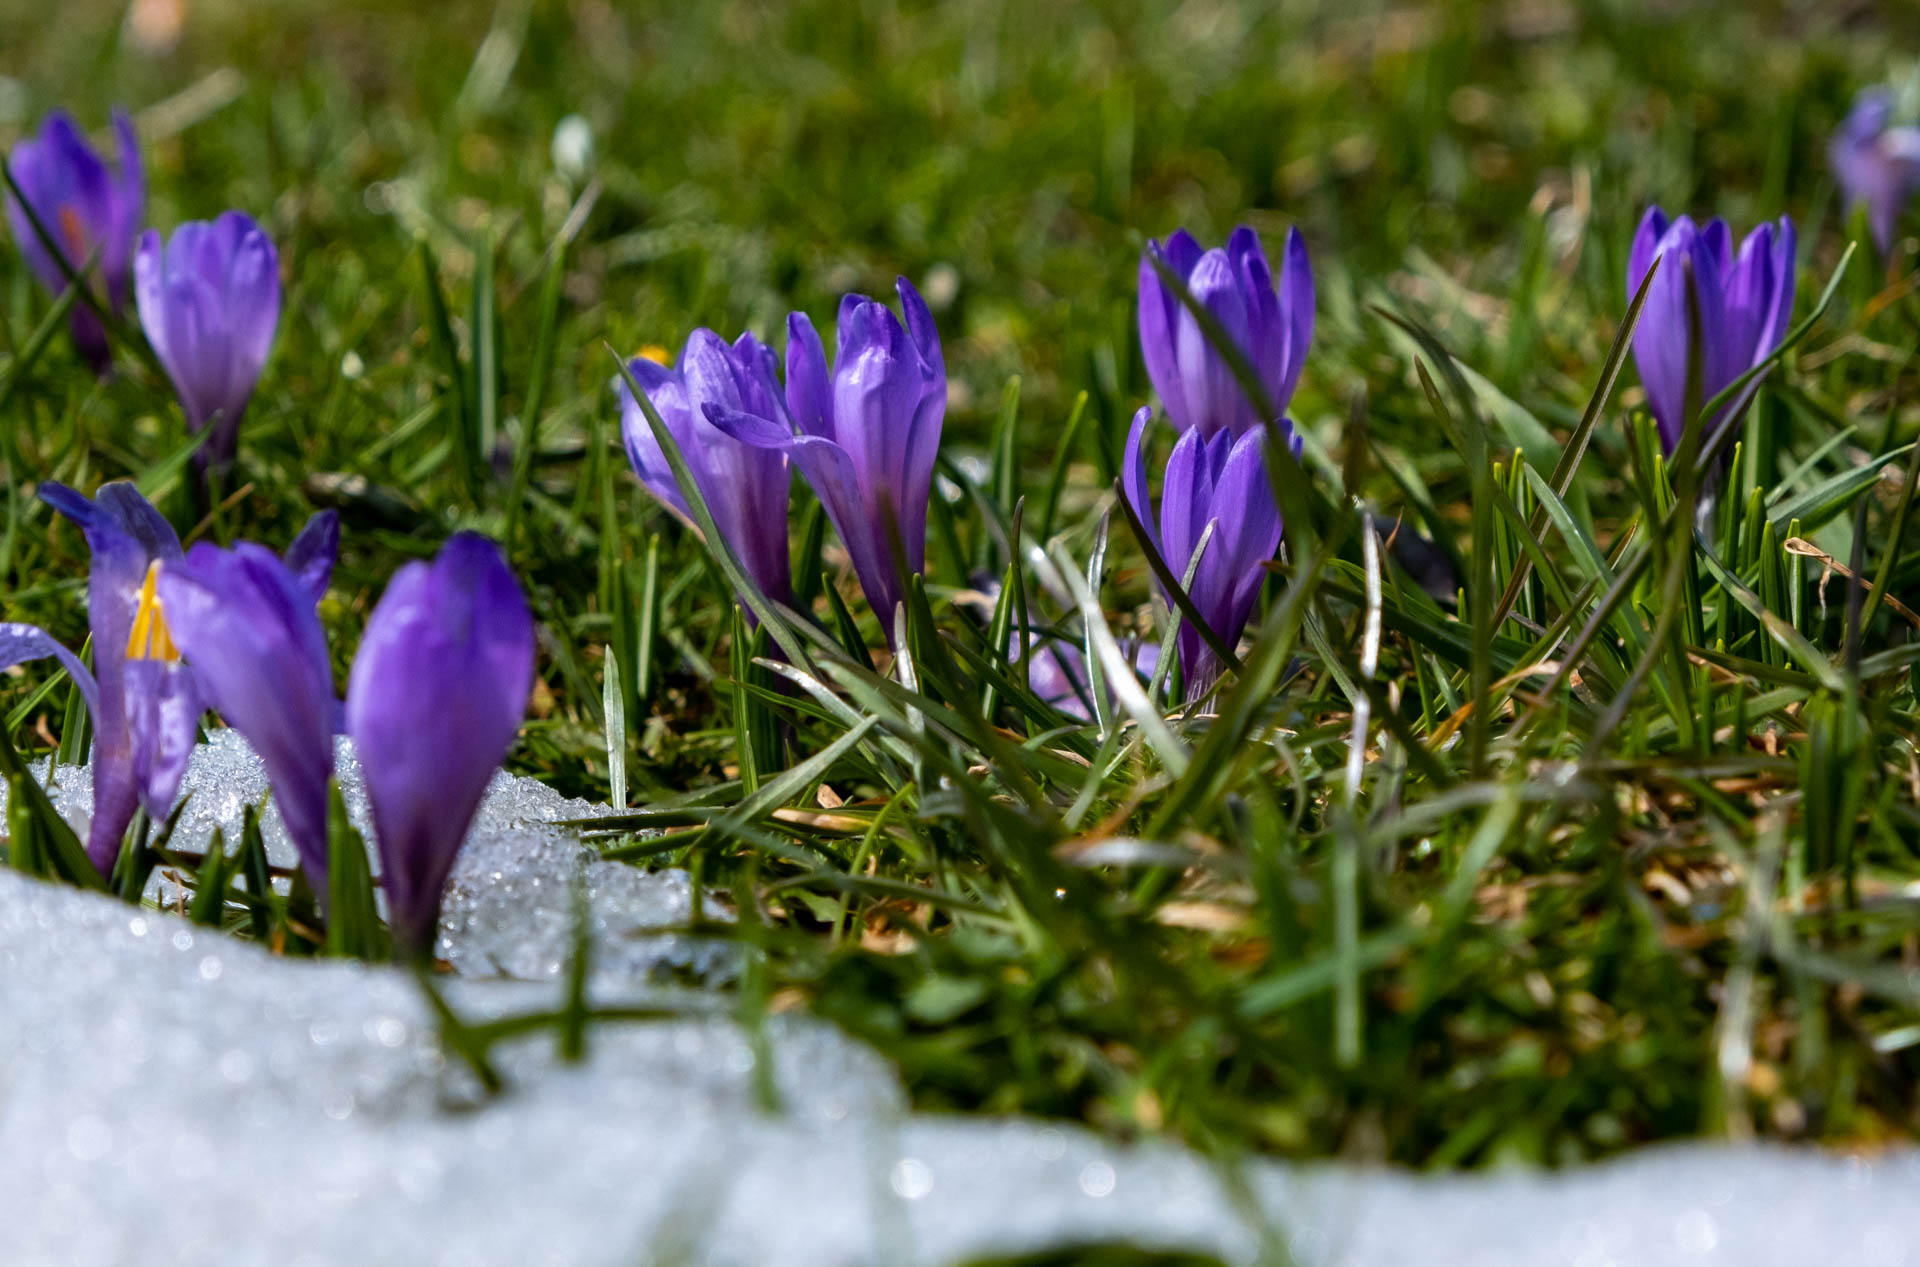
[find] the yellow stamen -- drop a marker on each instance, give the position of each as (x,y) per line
(655,353)
(151,639)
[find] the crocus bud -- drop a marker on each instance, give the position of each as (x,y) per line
(84,207)
(868,431)
(1058,675)
(1274,330)
(436,696)
(1220,481)
(209,302)
(246,623)
(1877,165)
(744,485)
(1738,313)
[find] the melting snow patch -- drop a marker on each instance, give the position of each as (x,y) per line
(509,903)
(169,1095)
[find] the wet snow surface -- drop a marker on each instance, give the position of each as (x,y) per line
(172,1096)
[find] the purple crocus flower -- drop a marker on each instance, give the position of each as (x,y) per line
(1877,165)
(436,696)
(1220,480)
(868,432)
(246,623)
(84,208)
(1274,330)
(744,485)
(209,301)
(1741,302)
(144,700)
(1059,674)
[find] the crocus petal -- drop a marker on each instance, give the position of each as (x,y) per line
(149,292)
(436,697)
(1747,307)
(1185,494)
(1057,676)
(707,368)
(923,438)
(1661,340)
(127,204)
(1158,313)
(1711,265)
(920,328)
(1266,343)
(1134,475)
(1646,245)
(1297,299)
(252,284)
(247,627)
(876,388)
(1182,251)
(1249,522)
(163,723)
(831,473)
(21,643)
(314,552)
(751,429)
(809,392)
(667,393)
(1780,321)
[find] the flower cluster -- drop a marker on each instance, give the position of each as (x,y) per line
(208,297)
(434,700)
(1217,519)
(865,429)
(864,434)
(436,693)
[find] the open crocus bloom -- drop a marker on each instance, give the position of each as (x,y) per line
(1272,328)
(84,207)
(245,620)
(744,485)
(868,431)
(1220,482)
(1738,305)
(209,301)
(143,701)
(437,694)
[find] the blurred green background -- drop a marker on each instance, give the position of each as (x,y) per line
(1009,156)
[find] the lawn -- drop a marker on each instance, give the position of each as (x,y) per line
(1563,797)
